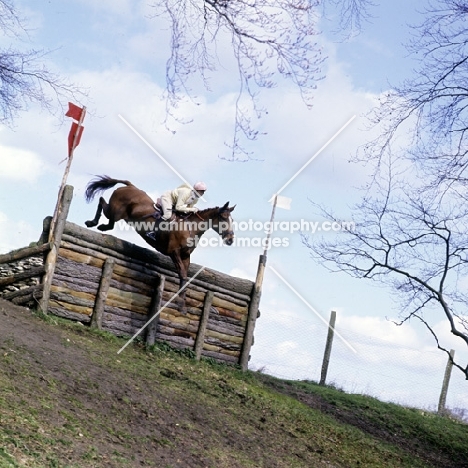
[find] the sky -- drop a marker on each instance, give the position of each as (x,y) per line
(116,51)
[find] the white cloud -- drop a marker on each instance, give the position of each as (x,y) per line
(14,234)
(19,164)
(380,329)
(118,7)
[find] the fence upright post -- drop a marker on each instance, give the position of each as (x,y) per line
(200,340)
(101,295)
(55,238)
(443,393)
(328,348)
(154,309)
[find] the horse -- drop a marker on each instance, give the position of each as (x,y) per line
(135,207)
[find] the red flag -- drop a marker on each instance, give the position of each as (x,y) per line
(74,111)
(74,137)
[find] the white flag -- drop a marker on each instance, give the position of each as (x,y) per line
(281,202)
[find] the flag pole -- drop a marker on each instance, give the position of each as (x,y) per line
(254,312)
(270,230)
(58,206)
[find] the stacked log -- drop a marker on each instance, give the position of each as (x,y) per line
(20,275)
(216,326)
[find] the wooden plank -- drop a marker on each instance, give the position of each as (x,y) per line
(57,309)
(219,349)
(222,345)
(224,337)
(75,270)
(180,329)
(29,291)
(128,300)
(222,304)
(172,331)
(73,308)
(78,284)
(81,258)
(71,298)
(31,272)
(179,341)
(171,313)
(220,357)
(115,312)
(231,314)
(25,298)
(199,295)
(125,283)
(226,328)
(24,252)
(119,329)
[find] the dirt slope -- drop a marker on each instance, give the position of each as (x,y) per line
(67,399)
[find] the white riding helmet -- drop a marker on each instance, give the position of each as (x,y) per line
(199,186)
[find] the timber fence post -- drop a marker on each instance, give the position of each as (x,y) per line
(328,348)
(443,393)
(55,238)
(200,340)
(252,314)
(153,310)
(101,295)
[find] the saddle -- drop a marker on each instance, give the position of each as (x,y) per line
(158,212)
(157,216)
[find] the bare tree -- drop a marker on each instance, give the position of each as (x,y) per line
(414,241)
(269,39)
(433,103)
(412,224)
(23,76)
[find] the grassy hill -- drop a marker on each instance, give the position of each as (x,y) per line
(67,399)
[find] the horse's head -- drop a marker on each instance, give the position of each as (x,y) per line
(223,224)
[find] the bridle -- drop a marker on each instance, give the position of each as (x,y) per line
(223,234)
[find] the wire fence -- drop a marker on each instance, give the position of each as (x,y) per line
(291,347)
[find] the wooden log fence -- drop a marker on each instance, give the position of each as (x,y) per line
(117,286)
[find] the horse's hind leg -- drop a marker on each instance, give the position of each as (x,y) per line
(103,206)
(95,221)
(109,214)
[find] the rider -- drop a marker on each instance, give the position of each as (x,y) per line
(183,199)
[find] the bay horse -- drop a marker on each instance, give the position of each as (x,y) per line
(135,207)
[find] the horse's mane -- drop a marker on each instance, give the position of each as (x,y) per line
(205,210)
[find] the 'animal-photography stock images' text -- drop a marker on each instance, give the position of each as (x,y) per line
(262,230)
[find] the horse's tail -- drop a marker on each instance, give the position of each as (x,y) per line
(101,183)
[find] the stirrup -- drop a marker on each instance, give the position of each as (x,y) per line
(151,235)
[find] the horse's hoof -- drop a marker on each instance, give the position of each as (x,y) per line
(90,223)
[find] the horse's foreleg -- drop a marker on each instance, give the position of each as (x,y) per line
(182,268)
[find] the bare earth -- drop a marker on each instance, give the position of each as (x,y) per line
(75,403)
